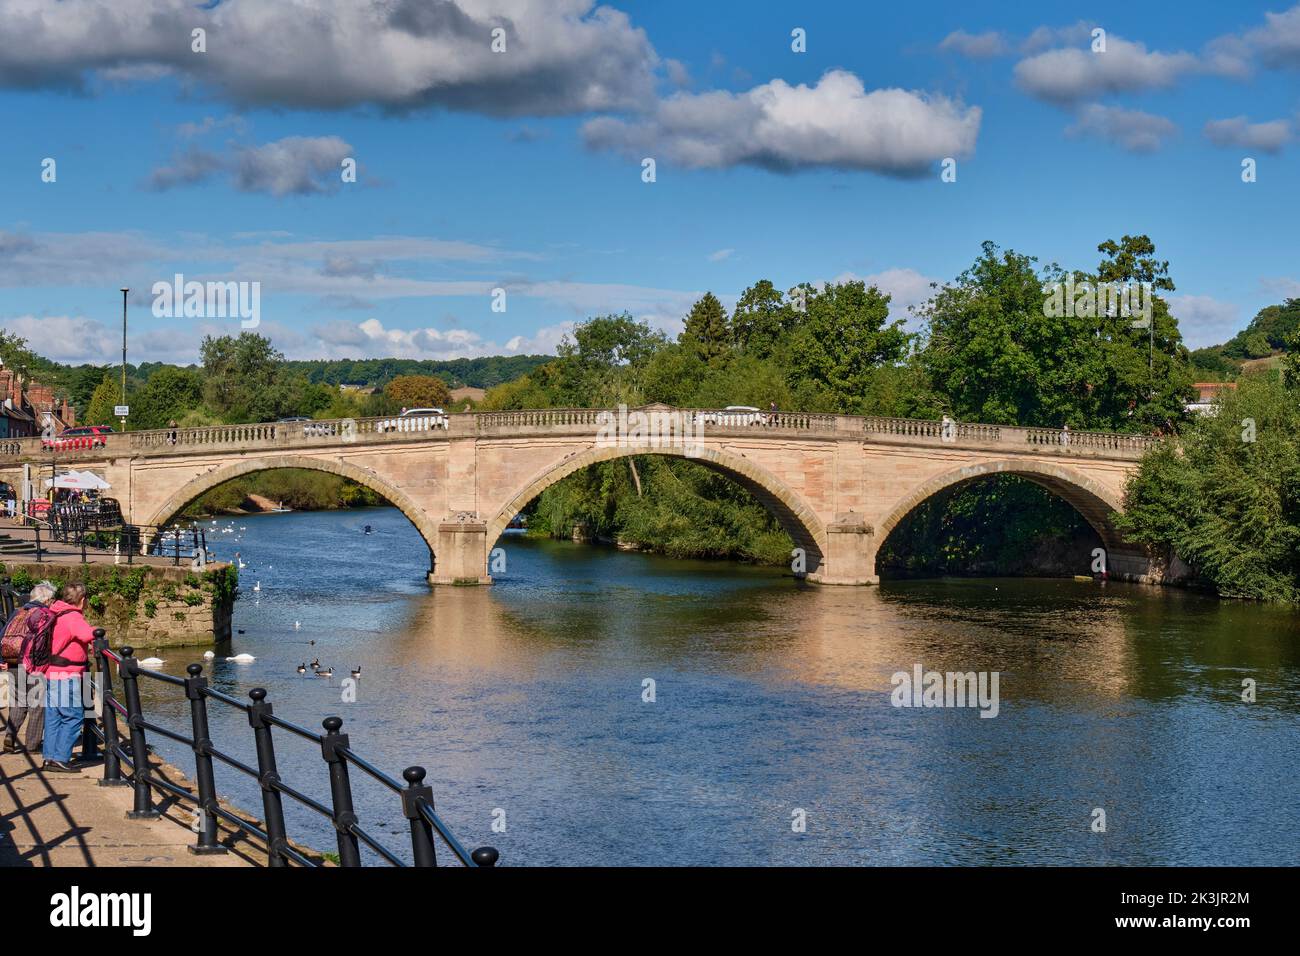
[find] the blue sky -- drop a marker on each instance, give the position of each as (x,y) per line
(522,169)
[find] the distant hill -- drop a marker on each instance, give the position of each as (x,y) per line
(1259,345)
(476,373)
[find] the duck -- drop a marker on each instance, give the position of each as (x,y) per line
(356,672)
(302,668)
(241,659)
(152,662)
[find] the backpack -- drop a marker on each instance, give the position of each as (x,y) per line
(39,639)
(11,644)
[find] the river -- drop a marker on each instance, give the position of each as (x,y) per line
(527,702)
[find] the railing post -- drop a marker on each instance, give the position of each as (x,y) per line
(340,791)
(143,809)
(421,829)
(272,804)
(207,842)
(108,715)
(38,540)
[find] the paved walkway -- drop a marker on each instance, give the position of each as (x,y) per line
(64,819)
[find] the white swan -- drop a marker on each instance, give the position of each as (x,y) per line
(208,655)
(152,662)
(242,659)
(297,625)
(257,586)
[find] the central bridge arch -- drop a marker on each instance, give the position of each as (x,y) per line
(795,516)
(205,482)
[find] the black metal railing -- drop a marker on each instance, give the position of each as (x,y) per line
(335,747)
(84,533)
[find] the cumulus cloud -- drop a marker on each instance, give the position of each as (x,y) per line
(1238,131)
(1278,41)
(293,166)
(1133,130)
(835,123)
(372,339)
(978,46)
(76,339)
(721,255)
(1203,319)
(1066,76)
(562,56)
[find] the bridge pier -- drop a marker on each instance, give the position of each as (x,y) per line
(460,554)
(851,553)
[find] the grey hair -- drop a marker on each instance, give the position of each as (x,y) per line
(44,592)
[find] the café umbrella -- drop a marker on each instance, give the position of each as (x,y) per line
(83,480)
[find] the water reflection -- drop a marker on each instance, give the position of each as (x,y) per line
(771,697)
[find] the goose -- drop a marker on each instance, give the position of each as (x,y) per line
(302,668)
(208,655)
(315,665)
(152,662)
(356,672)
(325,672)
(241,659)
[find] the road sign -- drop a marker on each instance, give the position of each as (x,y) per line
(121,411)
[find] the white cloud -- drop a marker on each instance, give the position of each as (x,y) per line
(562,56)
(1132,130)
(372,339)
(295,165)
(1066,76)
(990,43)
(834,123)
(1278,41)
(1238,131)
(721,255)
(1204,320)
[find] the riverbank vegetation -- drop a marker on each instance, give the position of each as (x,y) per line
(298,489)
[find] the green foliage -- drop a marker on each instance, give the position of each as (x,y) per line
(150,607)
(994,356)
(193,599)
(168,394)
(707,330)
(417,391)
(1227,506)
(298,488)
(1270,329)
(224,583)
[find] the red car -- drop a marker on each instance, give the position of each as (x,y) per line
(83,436)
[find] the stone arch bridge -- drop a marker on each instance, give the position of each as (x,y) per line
(837,483)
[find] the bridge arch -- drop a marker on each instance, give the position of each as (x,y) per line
(205,482)
(1093,500)
(793,513)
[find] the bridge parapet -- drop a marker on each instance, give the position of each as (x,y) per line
(569,422)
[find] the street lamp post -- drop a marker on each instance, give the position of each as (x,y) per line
(125,290)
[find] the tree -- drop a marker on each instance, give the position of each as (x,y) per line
(418,391)
(240,373)
(843,340)
(707,328)
(1226,498)
(169,393)
(106,395)
(761,319)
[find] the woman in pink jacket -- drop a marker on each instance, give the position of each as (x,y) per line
(64,708)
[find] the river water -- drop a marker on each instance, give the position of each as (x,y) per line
(771,737)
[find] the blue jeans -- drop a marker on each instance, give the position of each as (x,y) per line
(64,713)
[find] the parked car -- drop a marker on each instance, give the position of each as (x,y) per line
(311,428)
(734,415)
(82,436)
(415,420)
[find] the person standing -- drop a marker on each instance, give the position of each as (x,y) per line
(27,700)
(65,709)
